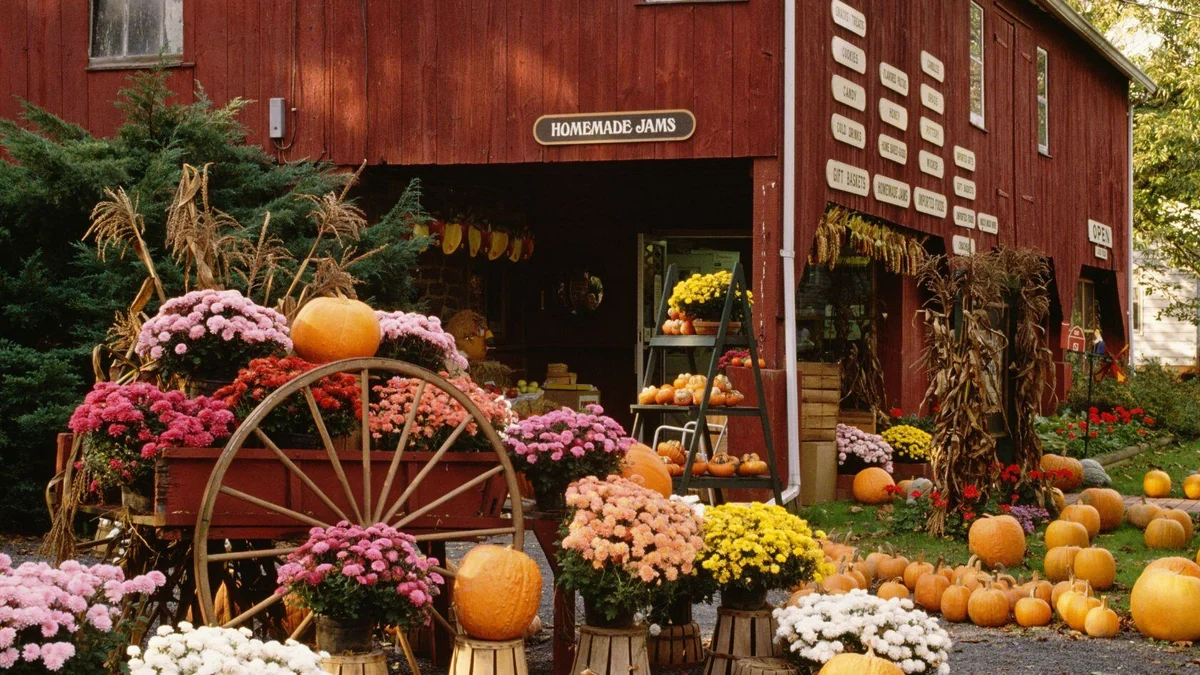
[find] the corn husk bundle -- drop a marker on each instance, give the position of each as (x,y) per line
(899,252)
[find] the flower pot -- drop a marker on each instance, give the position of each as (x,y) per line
(135,501)
(597,619)
(739,598)
(294,441)
(200,387)
(711,327)
(550,499)
(680,611)
(345,636)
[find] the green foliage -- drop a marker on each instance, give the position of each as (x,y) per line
(57,300)
(1170,402)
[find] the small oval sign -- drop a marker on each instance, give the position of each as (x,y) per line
(639,126)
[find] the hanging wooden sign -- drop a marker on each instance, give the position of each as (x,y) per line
(1101,253)
(615,127)
(933,132)
(849,18)
(964,217)
(933,66)
(893,78)
(848,131)
(1100,234)
(932,98)
(849,93)
(892,191)
(963,245)
(986,223)
(1073,338)
(964,188)
(931,164)
(847,178)
(930,203)
(893,149)
(849,55)
(964,158)
(893,114)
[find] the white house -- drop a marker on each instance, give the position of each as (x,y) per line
(1166,339)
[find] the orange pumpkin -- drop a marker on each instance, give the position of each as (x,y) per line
(1175,564)
(665,395)
(496,592)
(893,589)
(722,465)
(1157,483)
(699,467)
(674,469)
(1191,486)
(1097,567)
(673,451)
(1163,605)
(751,465)
(641,461)
(1085,515)
(1066,533)
(331,329)
(1142,513)
(1183,518)
(1073,480)
(988,607)
(954,602)
(930,588)
(1059,562)
(1108,503)
(997,540)
(1165,533)
(646,396)
(870,486)
(1032,611)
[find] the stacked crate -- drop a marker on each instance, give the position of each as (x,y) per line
(820,393)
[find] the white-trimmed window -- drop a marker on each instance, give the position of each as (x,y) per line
(135,31)
(1139,296)
(1043,101)
(977,65)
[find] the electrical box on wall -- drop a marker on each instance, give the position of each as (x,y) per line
(278,117)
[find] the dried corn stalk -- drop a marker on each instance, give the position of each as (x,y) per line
(117,223)
(900,253)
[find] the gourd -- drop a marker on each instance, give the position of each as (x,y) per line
(988,607)
(497,591)
(931,586)
(1108,503)
(1163,604)
(1191,486)
(672,450)
(1094,474)
(1156,483)
(1066,533)
(1165,533)
(1059,499)
(646,396)
(1142,513)
(665,395)
(1032,611)
(859,664)
(1102,622)
(905,485)
(915,569)
(997,540)
(1073,480)
(954,602)
(331,329)
(1183,518)
(1088,516)
(893,589)
(870,486)
(641,461)
(1097,567)
(751,465)
(722,465)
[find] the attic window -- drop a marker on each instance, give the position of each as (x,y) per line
(128,32)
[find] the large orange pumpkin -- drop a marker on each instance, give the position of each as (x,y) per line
(870,486)
(497,591)
(1157,483)
(331,329)
(997,540)
(1068,483)
(1163,604)
(1066,533)
(640,460)
(1165,533)
(1097,567)
(1183,518)
(1108,503)
(1085,515)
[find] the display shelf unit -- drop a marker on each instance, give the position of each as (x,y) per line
(660,343)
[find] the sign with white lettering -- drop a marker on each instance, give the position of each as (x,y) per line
(1101,253)
(848,131)
(964,217)
(930,203)
(849,18)
(891,191)
(616,127)
(893,78)
(989,224)
(932,98)
(964,188)
(1100,234)
(932,164)
(893,149)
(933,66)
(964,158)
(893,114)
(849,55)
(963,245)
(849,93)
(846,178)
(933,132)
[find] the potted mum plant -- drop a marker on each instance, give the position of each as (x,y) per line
(562,446)
(292,424)
(419,340)
(700,300)
(858,449)
(911,449)
(206,336)
(185,649)
(355,578)
(125,428)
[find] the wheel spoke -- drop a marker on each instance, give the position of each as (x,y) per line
(299,473)
(437,616)
(304,624)
(249,555)
(448,496)
(282,510)
(256,609)
(442,571)
(400,445)
(333,456)
(464,534)
(365,415)
(412,487)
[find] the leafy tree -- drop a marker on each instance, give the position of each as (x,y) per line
(58,300)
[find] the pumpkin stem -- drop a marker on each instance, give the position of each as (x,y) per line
(1103,602)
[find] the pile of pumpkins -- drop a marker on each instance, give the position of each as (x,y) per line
(721,465)
(688,389)
(1157,483)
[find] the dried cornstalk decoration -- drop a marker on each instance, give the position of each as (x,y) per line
(199,236)
(862,373)
(899,252)
(1032,362)
(964,367)
(117,223)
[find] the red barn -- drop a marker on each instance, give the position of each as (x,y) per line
(975,123)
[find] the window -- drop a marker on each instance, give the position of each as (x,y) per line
(1043,101)
(1138,296)
(1085,314)
(136,31)
(977,65)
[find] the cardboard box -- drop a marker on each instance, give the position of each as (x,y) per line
(575,398)
(818,472)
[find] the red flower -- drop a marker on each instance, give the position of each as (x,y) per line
(970,492)
(1093,434)
(1014,498)
(892,489)
(915,494)
(1093,410)
(1035,474)
(936,408)
(1005,508)
(1141,432)
(940,503)
(1136,411)
(1148,421)
(1072,435)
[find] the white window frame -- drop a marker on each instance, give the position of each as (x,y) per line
(127,60)
(977,117)
(1042,66)
(1139,310)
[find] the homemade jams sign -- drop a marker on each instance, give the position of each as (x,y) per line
(616,127)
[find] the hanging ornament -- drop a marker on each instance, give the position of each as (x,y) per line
(474,240)
(514,249)
(452,238)
(499,244)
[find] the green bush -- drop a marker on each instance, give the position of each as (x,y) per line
(1173,403)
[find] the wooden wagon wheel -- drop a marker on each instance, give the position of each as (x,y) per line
(360,502)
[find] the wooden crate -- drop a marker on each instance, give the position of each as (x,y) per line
(374,663)
(820,395)
(818,433)
(676,647)
(863,419)
(768,666)
(739,635)
(818,472)
(815,409)
(482,657)
(612,651)
(814,368)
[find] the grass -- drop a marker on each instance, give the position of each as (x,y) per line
(869,527)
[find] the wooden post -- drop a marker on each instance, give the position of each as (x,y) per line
(612,651)
(480,657)
(741,634)
(765,666)
(374,663)
(676,647)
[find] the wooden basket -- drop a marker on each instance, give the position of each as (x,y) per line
(481,657)
(739,635)
(676,647)
(374,663)
(767,666)
(612,651)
